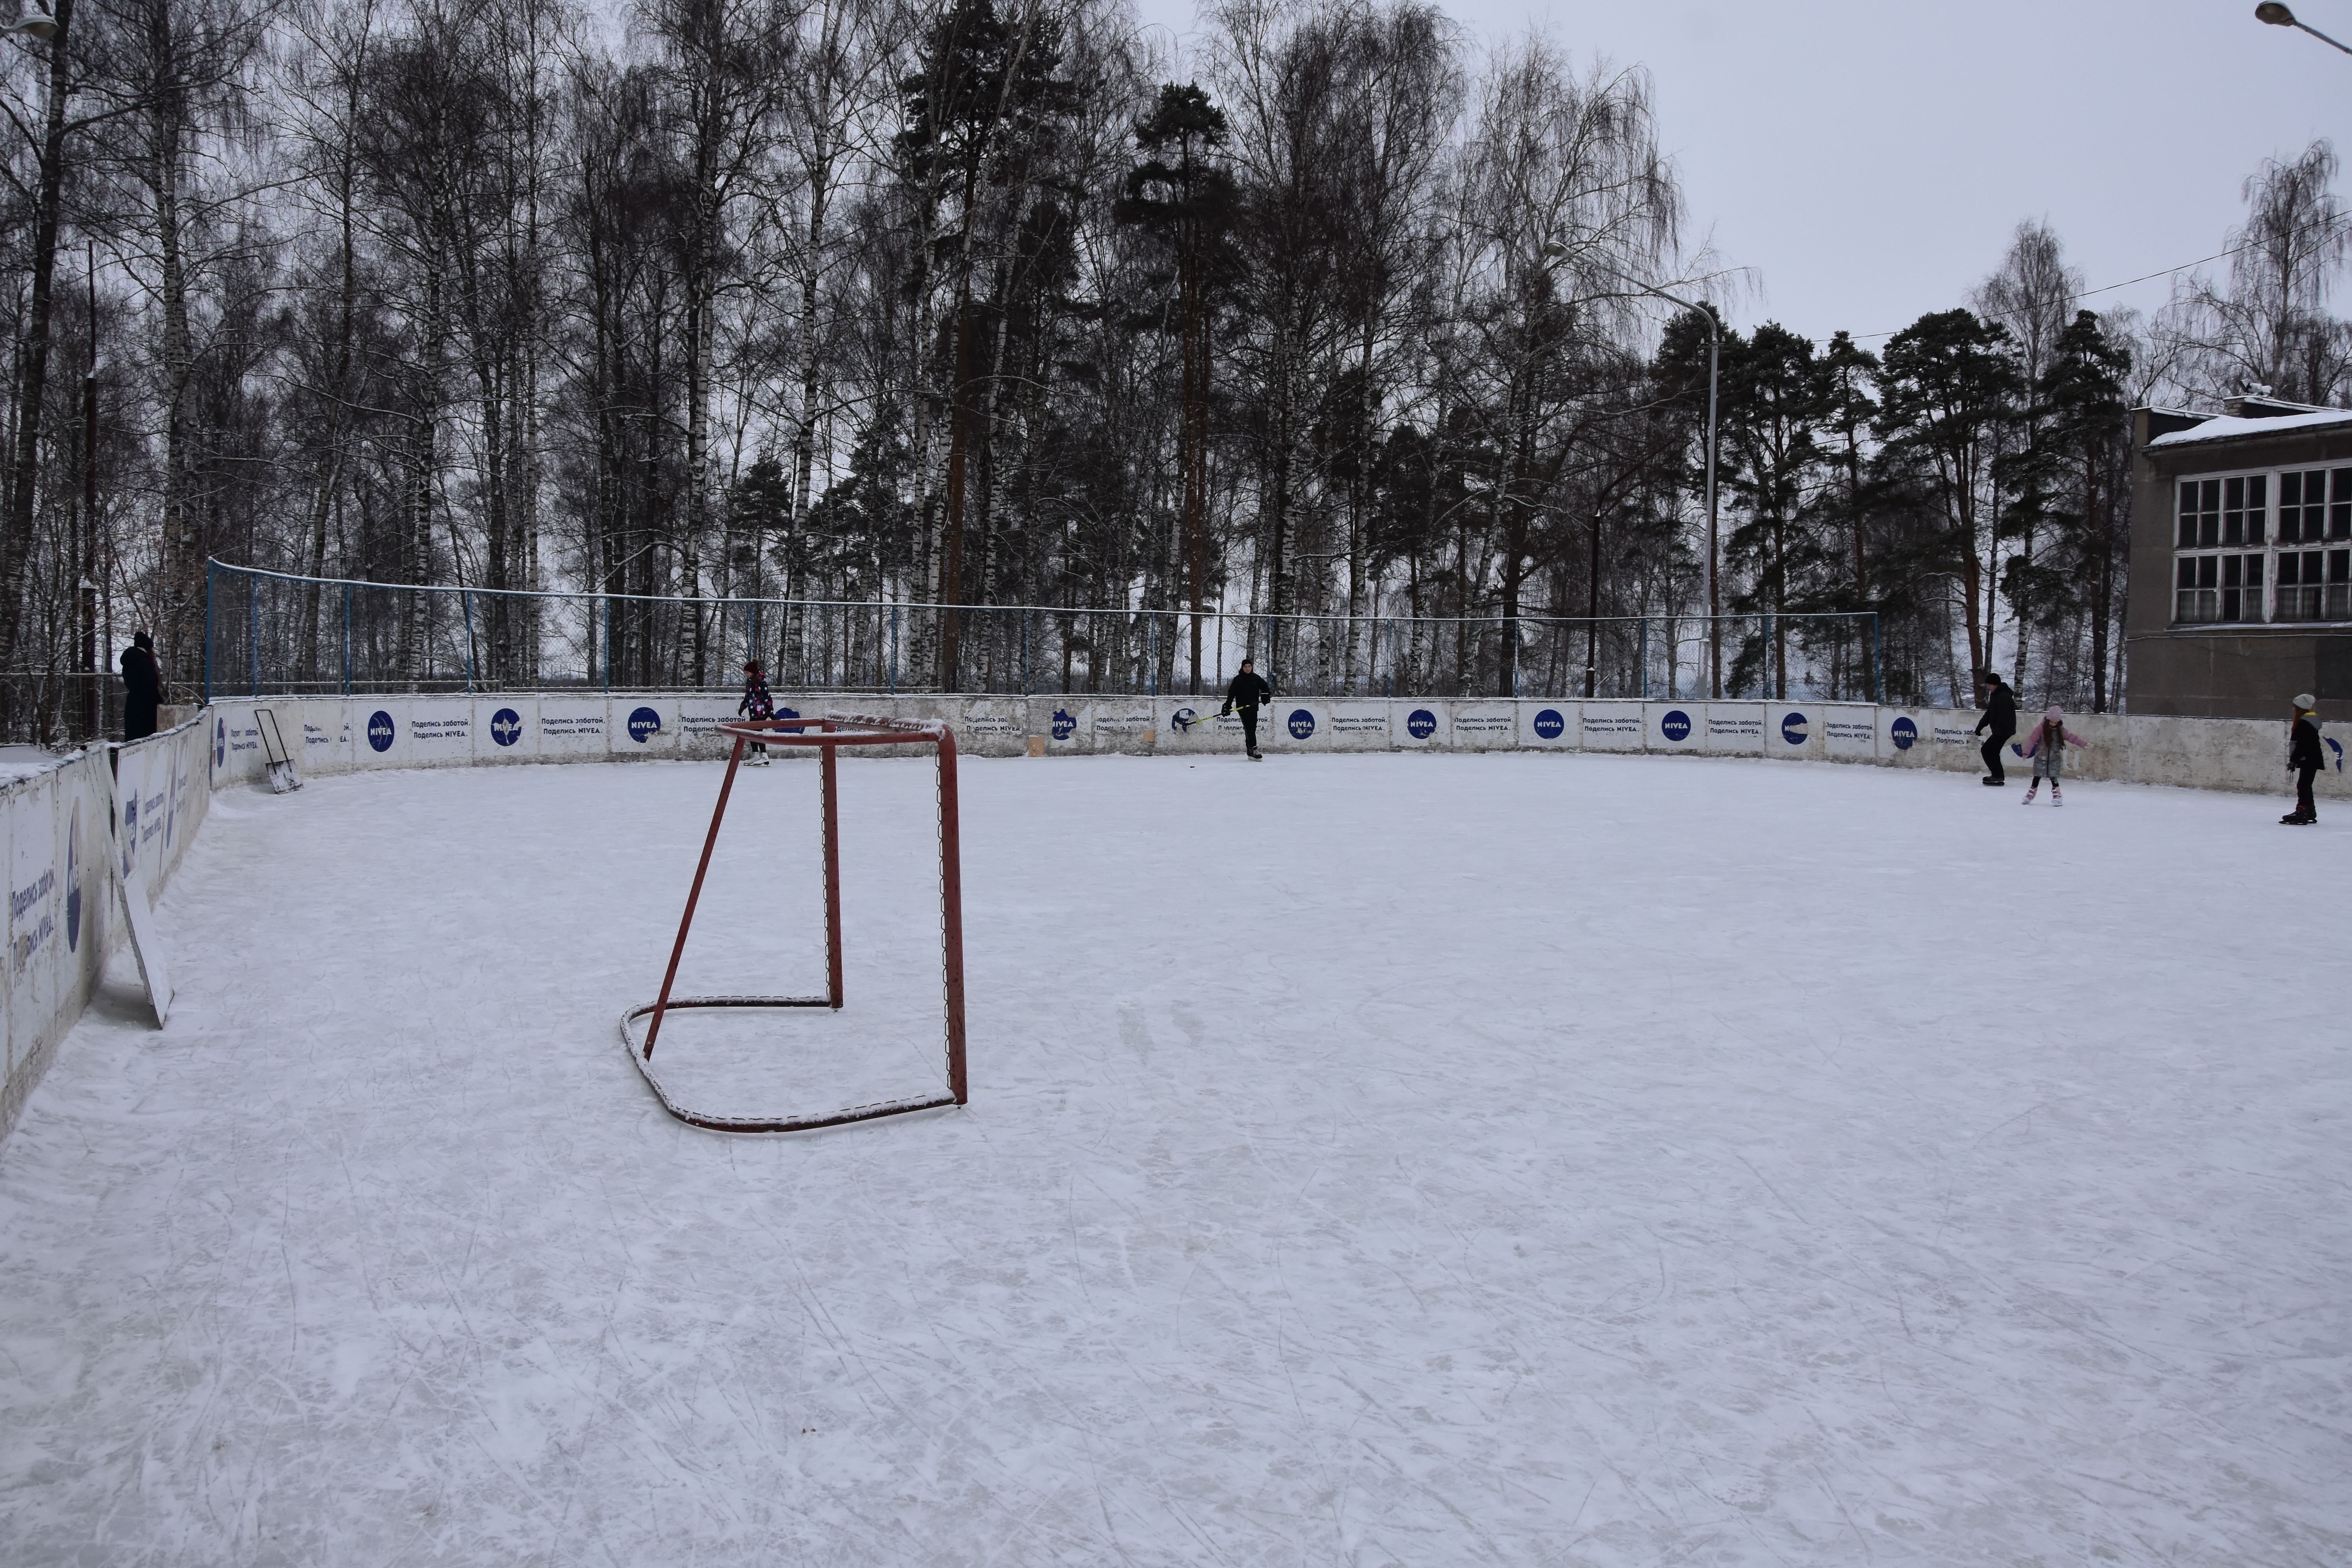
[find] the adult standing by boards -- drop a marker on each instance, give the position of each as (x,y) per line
(143,687)
(2000,717)
(2303,760)
(1245,696)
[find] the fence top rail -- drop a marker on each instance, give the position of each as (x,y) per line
(709,602)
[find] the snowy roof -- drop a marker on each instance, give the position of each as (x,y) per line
(2225,428)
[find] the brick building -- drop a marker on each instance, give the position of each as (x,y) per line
(2240,561)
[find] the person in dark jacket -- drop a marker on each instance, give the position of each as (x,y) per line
(756,704)
(2000,717)
(143,687)
(1245,696)
(2303,759)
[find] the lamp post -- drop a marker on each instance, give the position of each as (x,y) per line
(1553,251)
(2278,15)
(33,24)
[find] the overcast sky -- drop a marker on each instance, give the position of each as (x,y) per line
(1871,161)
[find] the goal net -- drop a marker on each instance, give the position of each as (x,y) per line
(827,736)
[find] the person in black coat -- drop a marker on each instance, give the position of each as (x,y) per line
(143,687)
(1248,692)
(2000,717)
(2303,759)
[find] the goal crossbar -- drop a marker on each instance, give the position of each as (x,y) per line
(826,735)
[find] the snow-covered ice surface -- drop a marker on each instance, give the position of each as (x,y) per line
(1372,1159)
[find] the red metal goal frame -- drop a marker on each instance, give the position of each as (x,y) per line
(828,735)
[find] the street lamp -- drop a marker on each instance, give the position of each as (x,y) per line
(2278,15)
(1553,251)
(34,25)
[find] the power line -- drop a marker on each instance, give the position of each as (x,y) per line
(2148,278)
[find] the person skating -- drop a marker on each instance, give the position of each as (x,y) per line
(2303,759)
(1248,692)
(2046,743)
(2001,715)
(756,703)
(143,687)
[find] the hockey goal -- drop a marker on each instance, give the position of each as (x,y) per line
(828,735)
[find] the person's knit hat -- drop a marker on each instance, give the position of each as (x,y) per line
(2052,712)
(2304,701)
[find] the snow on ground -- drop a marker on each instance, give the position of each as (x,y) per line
(1372,1159)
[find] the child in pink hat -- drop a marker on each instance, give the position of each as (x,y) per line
(2046,743)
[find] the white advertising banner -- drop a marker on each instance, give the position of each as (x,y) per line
(1952,740)
(1360,726)
(1482,726)
(1734,728)
(318,734)
(1613,726)
(643,727)
(33,923)
(1550,726)
(699,718)
(997,726)
(440,731)
(1674,726)
(1063,723)
(1295,726)
(506,728)
(1896,736)
(379,732)
(1791,730)
(238,734)
(573,726)
(1189,723)
(1419,725)
(1847,731)
(1124,724)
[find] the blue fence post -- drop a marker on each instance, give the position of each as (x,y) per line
(347,639)
(253,626)
(466,610)
(893,650)
(1878,663)
(608,643)
(1152,656)
(209,570)
(1644,657)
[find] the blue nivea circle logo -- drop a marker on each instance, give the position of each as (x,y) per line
(506,726)
(220,742)
(1904,730)
(1675,725)
(1302,723)
(1793,728)
(1549,725)
(1183,719)
(644,725)
(131,832)
(1065,723)
(380,730)
(1420,724)
(2336,746)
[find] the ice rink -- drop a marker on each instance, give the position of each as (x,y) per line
(1372,1159)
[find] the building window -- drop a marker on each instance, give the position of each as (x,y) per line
(2218,588)
(2232,567)
(2217,580)
(2315,584)
(2315,505)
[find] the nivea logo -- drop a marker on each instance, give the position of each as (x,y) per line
(787,714)
(1675,725)
(2336,746)
(1904,732)
(380,730)
(1549,725)
(1793,728)
(643,724)
(506,726)
(129,833)
(1065,723)
(1302,723)
(220,742)
(73,881)
(1420,724)
(1183,718)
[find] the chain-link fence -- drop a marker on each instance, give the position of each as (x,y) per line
(271,632)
